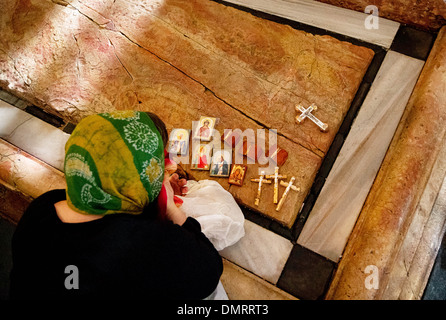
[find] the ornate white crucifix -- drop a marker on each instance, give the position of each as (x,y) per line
(261,180)
(288,185)
(306,113)
(276,177)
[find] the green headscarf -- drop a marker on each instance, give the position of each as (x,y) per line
(114,163)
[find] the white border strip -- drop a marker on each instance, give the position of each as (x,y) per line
(339,204)
(339,20)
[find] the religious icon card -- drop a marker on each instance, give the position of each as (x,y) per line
(179,141)
(201,157)
(237,175)
(205,128)
(221,163)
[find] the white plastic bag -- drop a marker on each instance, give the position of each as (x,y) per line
(220,217)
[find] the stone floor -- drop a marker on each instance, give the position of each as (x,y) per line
(273,260)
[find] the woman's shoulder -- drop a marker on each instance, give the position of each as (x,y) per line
(43,204)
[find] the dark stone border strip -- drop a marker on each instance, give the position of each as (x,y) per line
(306,274)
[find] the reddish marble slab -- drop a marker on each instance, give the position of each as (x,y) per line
(181,60)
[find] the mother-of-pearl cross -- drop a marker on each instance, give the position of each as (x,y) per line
(261,180)
(276,177)
(288,185)
(306,113)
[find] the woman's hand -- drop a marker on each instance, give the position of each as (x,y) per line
(175,214)
(178,185)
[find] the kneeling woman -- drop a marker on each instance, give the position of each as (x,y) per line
(115,232)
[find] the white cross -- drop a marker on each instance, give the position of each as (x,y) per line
(276,177)
(261,180)
(288,185)
(306,113)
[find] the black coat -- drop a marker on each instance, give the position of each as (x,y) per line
(119,256)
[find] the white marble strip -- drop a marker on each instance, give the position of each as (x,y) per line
(339,20)
(260,251)
(335,212)
(33,135)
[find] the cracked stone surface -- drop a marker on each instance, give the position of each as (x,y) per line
(183,59)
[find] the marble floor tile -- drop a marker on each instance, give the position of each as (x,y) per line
(335,212)
(328,17)
(412,42)
(240,284)
(260,251)
(33,135)
(306,274)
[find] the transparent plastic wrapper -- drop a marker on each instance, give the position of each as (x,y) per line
(220,217)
